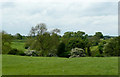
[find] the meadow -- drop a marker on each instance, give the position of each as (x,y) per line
(18,44)
(25,65)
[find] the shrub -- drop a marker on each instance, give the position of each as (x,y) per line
(22,53)
(77,52)
(66,54)
(51,55)
(16,52)
(99,55)
(26,47)
(61,49)
(32,53)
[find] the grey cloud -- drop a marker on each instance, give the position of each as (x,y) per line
(66,16)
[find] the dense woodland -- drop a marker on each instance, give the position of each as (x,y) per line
(41,42)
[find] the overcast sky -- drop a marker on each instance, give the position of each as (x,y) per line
(90,17)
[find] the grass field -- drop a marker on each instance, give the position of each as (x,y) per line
(18,45)
(23,65)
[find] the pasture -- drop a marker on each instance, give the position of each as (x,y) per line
(24,65)
(18,44)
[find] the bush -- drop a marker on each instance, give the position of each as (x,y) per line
(22,53)
(32,53)
(66,54)
(16,52)
(51,55)
(99,55)
(26,47)
(77,52)
(61,49)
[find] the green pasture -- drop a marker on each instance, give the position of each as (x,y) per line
(25,65)
(19,44)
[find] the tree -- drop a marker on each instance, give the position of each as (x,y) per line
(68,34)
(55,39)
(112,48)
(56,31)
(99,35)
(18,36)
(40,28)
(33,32)
(75,42)
(101,46)
(80,34)
(6,42)
(44,42)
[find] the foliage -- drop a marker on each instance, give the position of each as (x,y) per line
(16,52)
(18,36)
(77,52)
(99,35)
(52,44)
(6,42)
(112,48)
(61,50)
(94,51)
(31,53)
(101,46)
(75,42)
(75,39)
(43,41)
(94,40)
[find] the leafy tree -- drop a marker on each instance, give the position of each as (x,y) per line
(56,31)
(68,34)
(101,46)
(55,39)
(40,28)
(6,42)
(112,48)
(99,35)
(75,39)
(44,41)
(19,36)
(75,42)
(33,32)
(80,34)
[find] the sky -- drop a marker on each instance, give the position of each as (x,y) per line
(66,15)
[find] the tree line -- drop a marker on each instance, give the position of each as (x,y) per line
(41,42)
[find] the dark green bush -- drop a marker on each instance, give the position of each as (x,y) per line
(16,52)
(99,55)
(61,49)
(66,54)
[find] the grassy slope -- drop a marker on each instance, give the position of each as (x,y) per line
(22,65)
(18,45)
